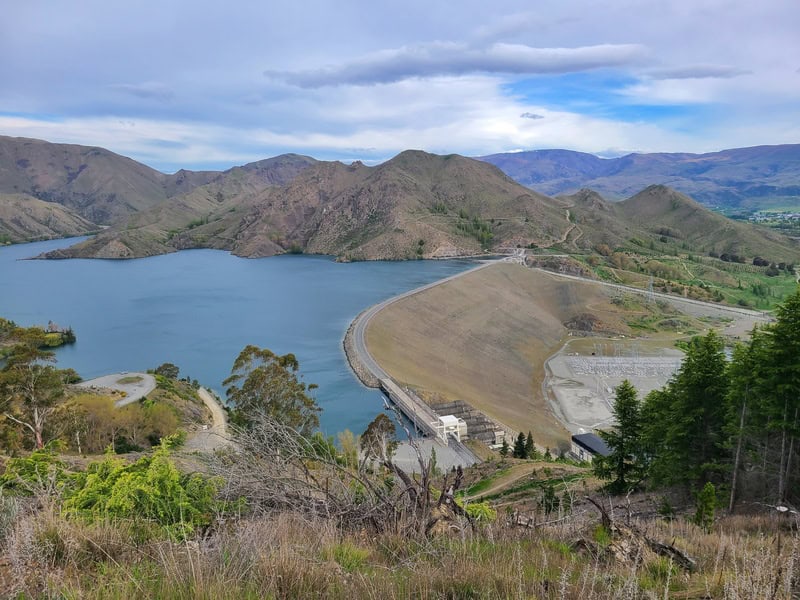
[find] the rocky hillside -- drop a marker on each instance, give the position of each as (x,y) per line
(416,205)
(749,178)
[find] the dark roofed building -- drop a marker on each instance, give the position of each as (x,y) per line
(585,446)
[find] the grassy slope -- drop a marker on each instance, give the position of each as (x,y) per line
(659,207)
(484,338)
(24,218)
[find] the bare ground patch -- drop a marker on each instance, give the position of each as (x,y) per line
(484,338)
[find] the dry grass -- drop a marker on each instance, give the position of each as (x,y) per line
(484,337)
(288,557)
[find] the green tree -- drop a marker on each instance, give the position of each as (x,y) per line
(167,370)
(262,381)
(744,419)
(349,443)
(783,400)
(763,411)
(624,466)
(30,387)
(550,500)
(149,490)
(379,438)
(706,505)
(530,447)
(684,424)
(519,446)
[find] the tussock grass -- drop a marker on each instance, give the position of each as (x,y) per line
(287,556)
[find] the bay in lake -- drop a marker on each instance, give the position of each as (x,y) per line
(199,308)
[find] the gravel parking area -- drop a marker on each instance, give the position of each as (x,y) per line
(135,385)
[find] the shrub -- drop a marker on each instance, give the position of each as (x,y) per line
(151,489)
(481,512)
(39,474)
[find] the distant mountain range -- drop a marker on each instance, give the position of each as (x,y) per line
(744,178)
(416,205)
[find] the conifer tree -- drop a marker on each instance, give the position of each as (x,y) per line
(625,465)
(530,447)
(783,373)
(504,448)
(519,446)
(684,424)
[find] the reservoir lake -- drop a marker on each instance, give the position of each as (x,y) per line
(199,308)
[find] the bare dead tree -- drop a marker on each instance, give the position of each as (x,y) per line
(276,469)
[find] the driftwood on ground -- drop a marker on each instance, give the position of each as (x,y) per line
(627,542)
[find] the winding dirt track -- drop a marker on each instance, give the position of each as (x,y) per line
(216,436)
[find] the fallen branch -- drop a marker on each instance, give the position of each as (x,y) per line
(668,550)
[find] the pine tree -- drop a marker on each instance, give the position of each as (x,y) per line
(504,448)
(706,505)
(684,424)
(625,465)
(783,371)
(530,448)
(519,446)
(763,412)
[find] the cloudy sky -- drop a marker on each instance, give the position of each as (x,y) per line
(201,84)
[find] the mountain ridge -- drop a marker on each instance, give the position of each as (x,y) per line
(414,205)
(746,178)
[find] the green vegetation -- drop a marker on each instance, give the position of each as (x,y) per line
(624,466)
(262,381)
(92,423)
(484,484)
(30,386)
(705,278)
(524,446)
(475,227)
(38,407)
(148,491)
(51,336)
(734,425)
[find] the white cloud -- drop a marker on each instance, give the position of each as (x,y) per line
(451,58)
(182,84)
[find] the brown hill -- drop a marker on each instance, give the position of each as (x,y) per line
(415,205)
(663,221)
(97,184)
(24,218)
(666,213)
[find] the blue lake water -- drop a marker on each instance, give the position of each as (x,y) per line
(199,308)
